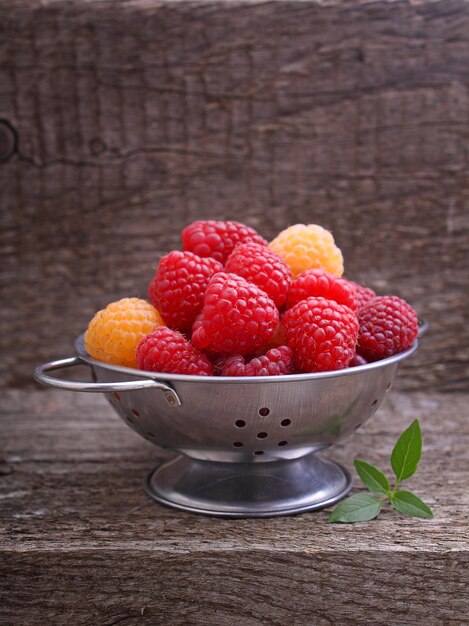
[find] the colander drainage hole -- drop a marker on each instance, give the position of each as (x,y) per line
(282,443)
(264,411)
(135,412)
(238,444)
(286,422)
(150,434)
(357,426)
(375,402)
(240,423)
(262,435)
(388,386)
(259,452)
(129,419)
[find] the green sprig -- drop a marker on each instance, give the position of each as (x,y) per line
(405,458)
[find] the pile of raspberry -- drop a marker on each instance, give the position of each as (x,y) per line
(231,304)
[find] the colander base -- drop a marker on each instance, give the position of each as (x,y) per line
(249,489)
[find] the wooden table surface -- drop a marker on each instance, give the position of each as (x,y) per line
(81,543)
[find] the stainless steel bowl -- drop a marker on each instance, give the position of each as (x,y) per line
(247,446)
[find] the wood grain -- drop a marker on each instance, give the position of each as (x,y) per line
(81,543)
(135,118)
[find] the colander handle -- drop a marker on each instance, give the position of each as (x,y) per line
(40,374)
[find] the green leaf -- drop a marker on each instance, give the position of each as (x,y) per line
(408,503)
(407,452)
(360,507)
(372,477)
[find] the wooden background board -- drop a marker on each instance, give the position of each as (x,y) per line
(81,542)
(132,119)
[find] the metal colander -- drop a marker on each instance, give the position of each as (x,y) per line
(247,446)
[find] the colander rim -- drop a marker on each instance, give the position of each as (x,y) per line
(359,369)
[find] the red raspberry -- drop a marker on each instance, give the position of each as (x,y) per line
(364,294)
(262,266)
(166,350)
(273,363)
(320,283)
(322,334)
(237,317)
(357,360)
(217,239)
(388,325)
(179,286)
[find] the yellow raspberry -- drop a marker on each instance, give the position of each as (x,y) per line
(114,332)
(305,247)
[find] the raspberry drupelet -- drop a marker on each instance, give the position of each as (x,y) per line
(357,360)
